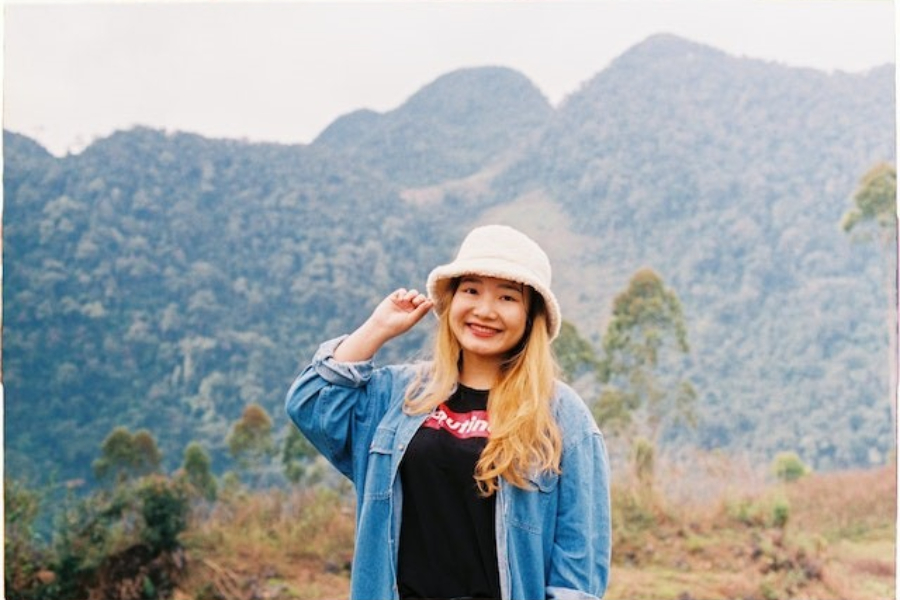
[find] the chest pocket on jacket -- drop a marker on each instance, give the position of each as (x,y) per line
(379,471)
(533,509)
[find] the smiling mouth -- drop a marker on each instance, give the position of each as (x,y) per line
(482,330)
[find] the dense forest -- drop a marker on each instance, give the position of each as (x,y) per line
(165,281)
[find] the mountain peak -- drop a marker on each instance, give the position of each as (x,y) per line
(446,130)
(667,46)
(479,84)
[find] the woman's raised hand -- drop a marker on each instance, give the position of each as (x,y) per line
(395,315)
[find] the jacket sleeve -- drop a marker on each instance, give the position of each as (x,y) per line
(337,405)
(580,559)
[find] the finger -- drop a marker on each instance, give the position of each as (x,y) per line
(423,306)
(397,296)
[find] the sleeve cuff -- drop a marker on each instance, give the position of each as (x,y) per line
(346,374)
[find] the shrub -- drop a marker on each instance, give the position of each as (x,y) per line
(788,467)
(164,508)
(781,512)
(24,555)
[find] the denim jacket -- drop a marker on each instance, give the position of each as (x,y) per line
(553,541)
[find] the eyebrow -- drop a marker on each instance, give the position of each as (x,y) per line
(517,287)
(507,284)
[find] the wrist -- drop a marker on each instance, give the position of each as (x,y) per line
(363,343)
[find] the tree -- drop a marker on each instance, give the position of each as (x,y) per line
(296,455)
(875,201)
(643,348)
(574,354)
(875,205)
(788,467)
(198,472)
(250,441)
(23,557)
(149,458)
(124,455)
(164,508)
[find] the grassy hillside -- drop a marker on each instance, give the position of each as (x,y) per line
(710,527)
(824,537)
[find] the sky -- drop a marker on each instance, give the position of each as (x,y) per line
(283,71)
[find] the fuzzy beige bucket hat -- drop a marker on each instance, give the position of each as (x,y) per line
(505,253)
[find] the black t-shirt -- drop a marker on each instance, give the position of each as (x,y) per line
(447,539)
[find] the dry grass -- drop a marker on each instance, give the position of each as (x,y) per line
(825,537)
(272,545)
(846,504)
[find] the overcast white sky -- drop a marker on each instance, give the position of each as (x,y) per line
(283,71)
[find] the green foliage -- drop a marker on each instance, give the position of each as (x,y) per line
(764,512)
(297,454)
(574,354)
(23,552)
(112,533)
(251,435)
(875,200)
(252,444)
(125,455)
(451,128)
(646,317)
(644,461)
(169,279)
(788,467)
(646,331)
(781,513)
(138,519)
(197,469)
(614,409)
(164,509)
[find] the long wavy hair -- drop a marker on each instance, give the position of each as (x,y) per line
(525,438)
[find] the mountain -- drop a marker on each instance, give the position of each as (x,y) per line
(153,281)
(164,281)
(451,128)
(729,177)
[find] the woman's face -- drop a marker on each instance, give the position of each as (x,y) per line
(488,316)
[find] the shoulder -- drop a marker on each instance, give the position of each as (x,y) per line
(399,377)
(406,371)
(573,415)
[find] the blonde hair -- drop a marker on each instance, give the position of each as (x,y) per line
(525,438)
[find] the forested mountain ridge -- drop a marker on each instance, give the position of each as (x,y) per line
(453,127)
(729,176)
(166,280)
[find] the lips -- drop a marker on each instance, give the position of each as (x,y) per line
(482,330)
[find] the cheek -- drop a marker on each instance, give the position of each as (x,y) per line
(457,310)
(516,317)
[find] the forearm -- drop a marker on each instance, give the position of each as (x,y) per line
(362,344)
(394,316)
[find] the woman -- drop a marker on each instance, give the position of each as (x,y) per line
(478,475)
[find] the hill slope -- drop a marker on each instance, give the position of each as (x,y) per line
(164,281)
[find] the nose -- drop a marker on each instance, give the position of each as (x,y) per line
(484,307)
